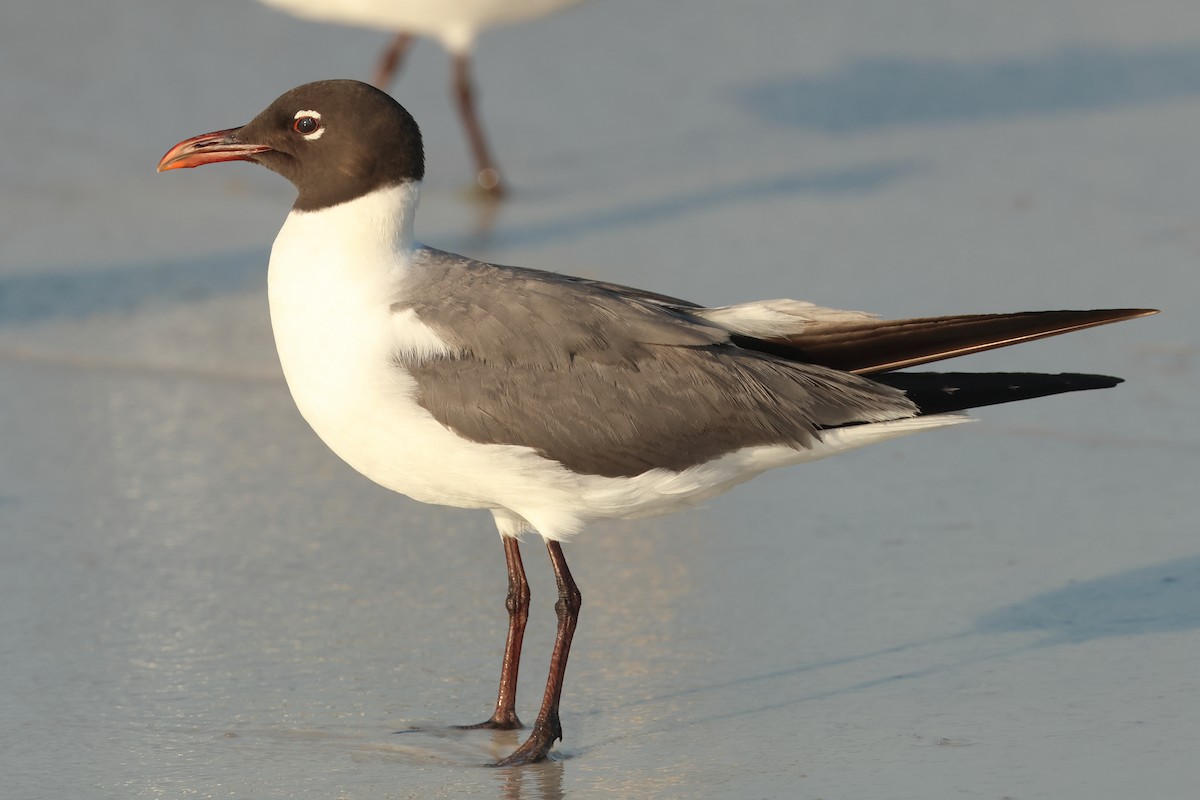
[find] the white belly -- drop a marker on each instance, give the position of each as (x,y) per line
(456,23)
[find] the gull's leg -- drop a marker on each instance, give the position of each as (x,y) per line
(517,603)
(389,62)
(487,177)
(547,728)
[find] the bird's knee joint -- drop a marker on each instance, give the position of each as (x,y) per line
(517,600)
(569,603)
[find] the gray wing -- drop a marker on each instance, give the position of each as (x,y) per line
(608,380)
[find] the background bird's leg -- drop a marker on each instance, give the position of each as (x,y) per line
(517,603)
(390,61)
(547,729)
(487,177)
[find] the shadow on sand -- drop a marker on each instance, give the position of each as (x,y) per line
(877,93)
(69,293)
(1155,599)
(1161,598)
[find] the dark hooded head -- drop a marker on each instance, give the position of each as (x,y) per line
(334,140)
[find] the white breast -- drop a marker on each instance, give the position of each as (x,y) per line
(333,276)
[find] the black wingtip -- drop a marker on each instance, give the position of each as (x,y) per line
(945,392)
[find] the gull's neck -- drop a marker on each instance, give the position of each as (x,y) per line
(353,255)
(375,224)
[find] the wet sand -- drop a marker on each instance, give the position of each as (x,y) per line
(197,599)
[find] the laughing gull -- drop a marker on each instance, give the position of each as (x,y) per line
(554,401)
(454,23)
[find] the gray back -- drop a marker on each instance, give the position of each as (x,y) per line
(608,380)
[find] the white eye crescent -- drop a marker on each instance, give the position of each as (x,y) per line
(308,124)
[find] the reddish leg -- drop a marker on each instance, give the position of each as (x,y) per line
(390,61)
(488,177)
(547,729)
(517,603)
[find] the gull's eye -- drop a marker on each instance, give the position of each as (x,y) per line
(308,124)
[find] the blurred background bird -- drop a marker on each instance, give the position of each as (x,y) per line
(454,23)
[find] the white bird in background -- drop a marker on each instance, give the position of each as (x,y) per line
(454,23)
(554,401)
